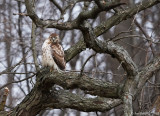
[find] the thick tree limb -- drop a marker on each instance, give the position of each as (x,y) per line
(133,86)
(57,5)
(45,99)
(68,100)
(33,39)
(127,101)
(123,56)
(109,47)
(42,97)
(105,26)
(91,14)
(4,113)
(105,47)
(47,23)
(147,72)
(128,13)
(69,80)
(74,50)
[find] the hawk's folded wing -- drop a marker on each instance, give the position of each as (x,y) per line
(58,55)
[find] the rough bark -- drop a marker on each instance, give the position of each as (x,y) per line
(93,86)
(43,95)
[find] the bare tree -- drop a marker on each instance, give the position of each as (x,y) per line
(112,54)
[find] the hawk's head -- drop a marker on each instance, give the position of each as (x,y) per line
(54,38)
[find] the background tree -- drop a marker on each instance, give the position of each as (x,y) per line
(111,49)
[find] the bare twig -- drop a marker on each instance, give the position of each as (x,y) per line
(21,14)
(120,34)
(86,63)
(57,5)
(11,68)
(119,65)
(17,81)
(17,73)
(131,36)
(75,24)
(33,38)
(138,47)
(146,35)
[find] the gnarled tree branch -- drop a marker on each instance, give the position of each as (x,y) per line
(69,80)
(109,47)
(128,13)
(91,14)
(44,97)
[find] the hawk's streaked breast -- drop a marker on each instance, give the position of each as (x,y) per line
(52,53)
(47,59)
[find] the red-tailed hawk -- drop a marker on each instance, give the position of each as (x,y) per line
(53,54)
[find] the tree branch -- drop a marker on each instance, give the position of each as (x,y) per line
(114,20)
(109,47)
(46,23)
(91,14)
(42,97)
(58,99)
(117,18)
(74,50)
(105,26)
(69,100)
(147,72)
(57,5)
(69,80)
(127,101)
(133,86)
(33,47)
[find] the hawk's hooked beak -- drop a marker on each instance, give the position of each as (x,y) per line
(56,40)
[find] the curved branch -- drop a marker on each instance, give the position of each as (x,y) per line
(74,50)
(117,18)
(82,69)
(47,23)
(69,80)
(105,47)
(147,72)
(105,26)
(40,99)
(57,5)
(133,87)
(91,14)
(69,100)
(109,47)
